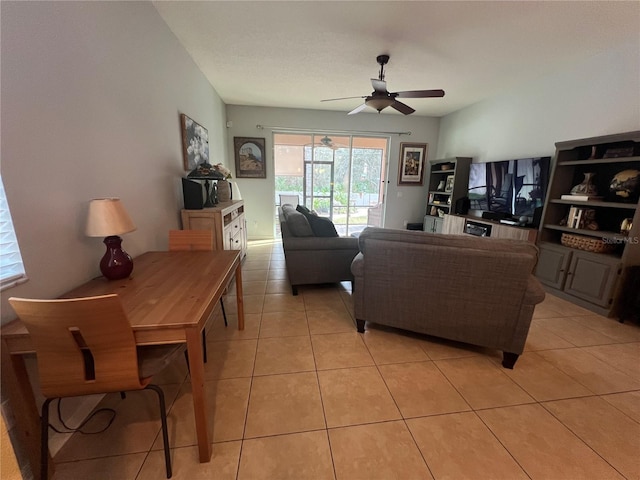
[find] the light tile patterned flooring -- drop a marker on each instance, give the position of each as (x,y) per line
(299,394)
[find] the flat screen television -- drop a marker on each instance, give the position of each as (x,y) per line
(513,187)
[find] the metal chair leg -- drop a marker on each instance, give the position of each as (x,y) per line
(224,315)
(44,440)
(165,430)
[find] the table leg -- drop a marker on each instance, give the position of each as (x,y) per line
(196,369)
(239,297)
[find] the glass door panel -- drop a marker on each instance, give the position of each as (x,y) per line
(342,177)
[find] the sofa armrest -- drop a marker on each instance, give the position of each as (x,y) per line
(320,243)
(534,293)
(357,265)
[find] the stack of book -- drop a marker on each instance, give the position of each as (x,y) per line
(581,198)
(581,217)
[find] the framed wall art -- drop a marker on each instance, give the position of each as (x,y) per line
(449,185)
(250,157)
(412,160)
(195,143)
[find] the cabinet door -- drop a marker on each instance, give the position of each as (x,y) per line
(437,225)
(592,277)
(553,266)
(453,224)
(428,224)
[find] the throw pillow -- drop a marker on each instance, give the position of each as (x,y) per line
(305,210)
(321,226)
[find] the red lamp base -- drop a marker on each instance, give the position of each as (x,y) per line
(116,263)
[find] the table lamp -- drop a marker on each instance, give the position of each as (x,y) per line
(108,218)
(206,172)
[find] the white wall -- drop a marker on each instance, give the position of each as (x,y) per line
(403,203)
(91,97)
(598,97)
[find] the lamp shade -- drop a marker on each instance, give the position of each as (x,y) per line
(107,216)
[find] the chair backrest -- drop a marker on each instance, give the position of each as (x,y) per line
(190,240)
(83,345)
(290,199)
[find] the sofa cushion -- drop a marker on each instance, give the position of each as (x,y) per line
(297,222)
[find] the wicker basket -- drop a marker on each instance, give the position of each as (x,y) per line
(590,244)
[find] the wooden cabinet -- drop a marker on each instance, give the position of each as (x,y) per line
(594,279)
(457,225)
(584,275)
(432,224)
(227,221)
(448,182)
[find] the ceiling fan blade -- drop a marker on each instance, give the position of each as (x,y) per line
(358,109)
(420,94)
(379,86)
(402,108)
(342,98)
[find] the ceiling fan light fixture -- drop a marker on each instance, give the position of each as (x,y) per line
(379,103)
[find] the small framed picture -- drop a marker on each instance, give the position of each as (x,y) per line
(195,143)
(448,186)
(412,159)
(250,158)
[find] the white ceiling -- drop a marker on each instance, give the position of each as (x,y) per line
(293,54)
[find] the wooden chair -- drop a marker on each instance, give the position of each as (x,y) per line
(86,346)
(196,240)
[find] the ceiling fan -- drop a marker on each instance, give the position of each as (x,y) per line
(381,98)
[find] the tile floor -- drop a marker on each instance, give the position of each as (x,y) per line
(300,395)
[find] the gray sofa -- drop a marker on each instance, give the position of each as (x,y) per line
(459,287)
(311,259)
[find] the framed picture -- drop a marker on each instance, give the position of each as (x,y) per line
(250,158)
(412,159)
(448,186)
(195,143)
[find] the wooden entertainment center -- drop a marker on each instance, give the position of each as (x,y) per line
(459,224)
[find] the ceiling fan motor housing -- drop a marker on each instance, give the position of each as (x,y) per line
(382,59)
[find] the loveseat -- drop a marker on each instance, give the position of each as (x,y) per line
(314,255)
(459,287)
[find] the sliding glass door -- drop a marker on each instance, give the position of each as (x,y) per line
(338,176)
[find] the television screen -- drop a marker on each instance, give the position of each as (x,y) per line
(515,187)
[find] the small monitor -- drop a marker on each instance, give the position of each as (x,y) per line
(193,194)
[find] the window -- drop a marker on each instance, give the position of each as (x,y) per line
(339,176)
(11,267)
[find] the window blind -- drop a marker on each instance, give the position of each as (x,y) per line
(11,267)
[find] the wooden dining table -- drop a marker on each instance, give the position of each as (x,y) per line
(168,299)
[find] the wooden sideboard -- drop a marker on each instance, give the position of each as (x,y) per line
(226,221)
(456,224)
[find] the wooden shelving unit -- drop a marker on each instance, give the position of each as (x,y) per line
(593,280)
(452,175)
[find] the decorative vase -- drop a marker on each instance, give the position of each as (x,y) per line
(587,186)
(224,191)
